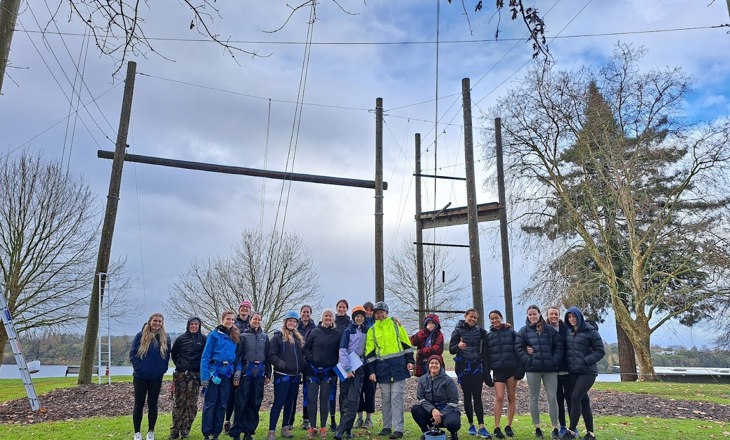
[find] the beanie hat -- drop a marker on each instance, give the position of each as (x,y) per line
(438,358)
(246,303)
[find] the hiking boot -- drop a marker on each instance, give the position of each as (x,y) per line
(333,426)
(555,435)
(227,426)
(358,423)
(137,436)
(483,433)
(368,423)
(472,430)
(323,432)
(286,432)
(508,431)
(174,435)
(395,435)
(247,437)
(305,424)
(236,437)
(589,436)
(383,432)
(454,436)
(311,432)
(271,435)
(498,432)
(348,435)
(538,433)
(337,436)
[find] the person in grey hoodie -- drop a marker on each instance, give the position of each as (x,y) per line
(438,400)
(583,349)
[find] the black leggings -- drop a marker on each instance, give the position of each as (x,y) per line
(471,386)
(580,403)
(151,390)
(563,396)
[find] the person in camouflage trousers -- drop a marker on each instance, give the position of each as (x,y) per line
(186,353)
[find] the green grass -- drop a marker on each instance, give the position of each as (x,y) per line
(11,389)
(715,393)
(613,427)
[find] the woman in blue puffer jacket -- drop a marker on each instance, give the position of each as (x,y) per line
(150,356)
(540,349)
(216,372)
(583,350)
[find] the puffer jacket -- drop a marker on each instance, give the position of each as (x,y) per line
(474,357)
(304,330)
(438,392)
(219,355)
(188,349)
(352,341)
(427,343)
(286,357)
(342,322)
(242,324)
(253,353)
(387,351)
(583,346)
(562,330)
(154,365)
(547,348)
(500,348)
(322,348)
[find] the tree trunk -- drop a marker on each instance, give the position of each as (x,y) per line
(626,356)
(643,356)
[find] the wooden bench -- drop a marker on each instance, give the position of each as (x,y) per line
(74,369)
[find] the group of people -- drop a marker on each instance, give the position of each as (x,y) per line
(357,352)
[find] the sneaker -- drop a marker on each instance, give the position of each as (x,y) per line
(454,436)
(555,435)
(396,434)
(589,436)
(498,432)
(311,432)
(508,431)
(483,433)
(568,435)
(137,436)
(271,435)
(333,426)
(286,432)
(247,437)
(322,432)
(227,426)
(358,422)
(368,423)
(348,435)
(305,424)
(383,432)
(472,430)
(338,437)
(150,435)
(538,433)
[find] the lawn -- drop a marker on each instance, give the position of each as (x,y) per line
(715,393)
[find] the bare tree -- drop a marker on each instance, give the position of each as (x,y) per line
(641,195)
(272,270)
(48,227)
(443,288)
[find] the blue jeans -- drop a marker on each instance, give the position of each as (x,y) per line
(214,407)
(285,392)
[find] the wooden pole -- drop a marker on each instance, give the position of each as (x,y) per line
(506,274)
(8,17)
(107,229)
(379,268)
(471,200)
(419,238)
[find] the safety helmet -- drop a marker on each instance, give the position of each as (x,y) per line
(380,305)
(291,314)
(360,310)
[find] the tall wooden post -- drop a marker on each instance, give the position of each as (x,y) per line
(506,274)
(471,202)
(419,238)
(8,17)
(379,275)
(107,229)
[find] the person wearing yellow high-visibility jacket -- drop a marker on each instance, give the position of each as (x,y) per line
(389,362)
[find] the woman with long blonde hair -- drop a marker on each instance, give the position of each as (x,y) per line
(150,356)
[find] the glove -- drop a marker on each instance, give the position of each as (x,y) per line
(237,375)
(488,379)
(203,390)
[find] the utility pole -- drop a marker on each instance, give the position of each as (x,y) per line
(8,17)
(107,229)
(471,202)
(506,274)
(379,275)
(419,238)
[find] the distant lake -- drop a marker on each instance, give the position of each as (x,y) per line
(11,372)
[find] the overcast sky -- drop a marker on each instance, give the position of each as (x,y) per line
(196,103)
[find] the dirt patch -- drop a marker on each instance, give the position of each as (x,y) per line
(116,400)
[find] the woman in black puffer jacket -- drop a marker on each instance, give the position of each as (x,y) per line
(502,359)
(540,349)
(583,350)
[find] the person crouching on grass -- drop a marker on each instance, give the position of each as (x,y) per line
(438,400)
